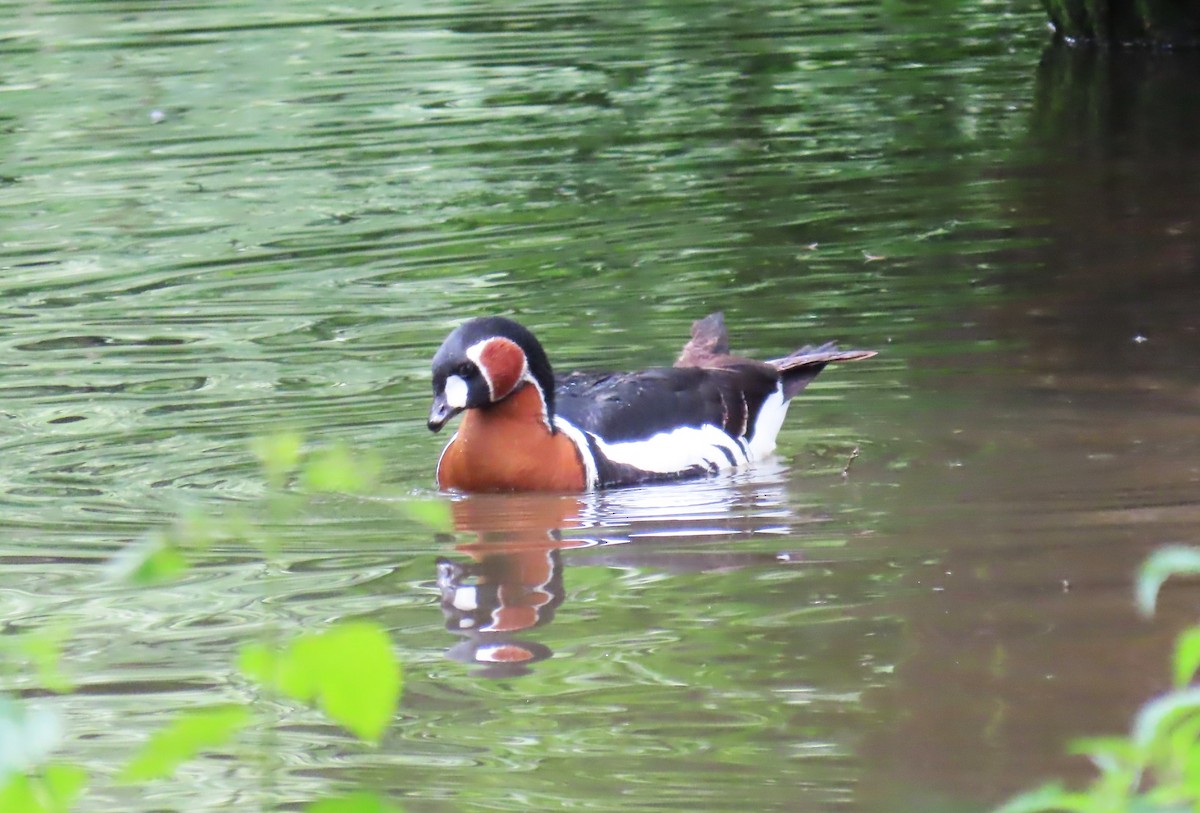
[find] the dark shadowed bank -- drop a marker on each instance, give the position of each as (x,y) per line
(1158,23)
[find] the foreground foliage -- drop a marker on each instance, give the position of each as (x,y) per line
(348,671)
(1157,766)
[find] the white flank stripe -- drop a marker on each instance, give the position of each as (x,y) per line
(766,425)
(677,450)
(456,392)
(575,435)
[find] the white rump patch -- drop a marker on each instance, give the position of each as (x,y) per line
(456,392)
(767,424)
(677,450)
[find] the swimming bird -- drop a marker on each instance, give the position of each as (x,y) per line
(526,430)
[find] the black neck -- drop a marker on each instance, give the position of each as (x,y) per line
(539,368)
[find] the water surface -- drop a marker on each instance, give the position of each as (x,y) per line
(222,221)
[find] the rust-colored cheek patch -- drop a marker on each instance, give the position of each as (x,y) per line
(504,361)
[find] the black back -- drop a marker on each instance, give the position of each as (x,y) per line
(631,406)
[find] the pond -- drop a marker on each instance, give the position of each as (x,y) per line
(223,221)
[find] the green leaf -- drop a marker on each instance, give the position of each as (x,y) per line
(1110,754)
(279,670)
(353,803)
(1162,565)
(27,736)
(349,671)
(1155,719)
(153,560)
(17,795)
(259,662)
(1172,759)
(183,738)
(1191,768)
(1187,657)
(433,514)
(337,470)
(51,791)
(61,785)
(279,455)
(161,556)
(42,649)
(1047,798)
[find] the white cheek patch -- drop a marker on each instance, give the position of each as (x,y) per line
(456,392)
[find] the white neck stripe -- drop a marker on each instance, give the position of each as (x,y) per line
(574,434)
(475,354)
(529,379)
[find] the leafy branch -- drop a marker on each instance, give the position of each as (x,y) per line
(349,670)
(1157,766)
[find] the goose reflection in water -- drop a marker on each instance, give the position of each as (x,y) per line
(512,580)
(509,578)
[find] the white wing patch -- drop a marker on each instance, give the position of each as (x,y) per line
(708,446)
(677,450)
(683,448)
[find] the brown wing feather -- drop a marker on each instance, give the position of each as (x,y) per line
(709,347)
(799,368)
(709,342)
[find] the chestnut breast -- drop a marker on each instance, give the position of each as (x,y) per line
(508,447)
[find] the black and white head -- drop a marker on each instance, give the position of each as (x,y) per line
(482,362)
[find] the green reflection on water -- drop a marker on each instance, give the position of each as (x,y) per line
(221,221)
